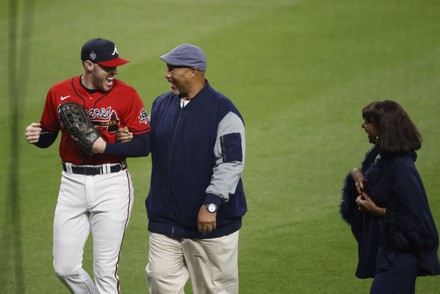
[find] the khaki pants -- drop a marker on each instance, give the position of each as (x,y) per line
(212,264)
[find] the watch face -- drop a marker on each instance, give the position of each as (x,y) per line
(212,207)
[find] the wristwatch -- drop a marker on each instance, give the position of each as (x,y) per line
(211,207)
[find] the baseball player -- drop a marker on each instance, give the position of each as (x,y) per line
(96,191)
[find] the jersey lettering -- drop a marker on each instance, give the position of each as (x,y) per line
(100,113)
(104,118)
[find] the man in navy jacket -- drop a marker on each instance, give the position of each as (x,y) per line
(196,200)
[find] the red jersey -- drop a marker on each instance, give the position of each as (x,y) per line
(120,107)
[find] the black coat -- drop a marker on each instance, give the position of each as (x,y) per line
(393,182)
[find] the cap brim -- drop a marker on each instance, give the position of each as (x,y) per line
(166,59)
(114,62)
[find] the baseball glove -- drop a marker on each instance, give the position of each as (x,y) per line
(78,124)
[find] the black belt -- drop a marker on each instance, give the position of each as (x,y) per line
(92,170)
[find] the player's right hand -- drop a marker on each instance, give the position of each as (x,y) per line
(123,135)
(33,132)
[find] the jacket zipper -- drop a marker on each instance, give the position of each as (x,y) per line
(169,168)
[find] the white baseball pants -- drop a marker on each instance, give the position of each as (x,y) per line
(100,205)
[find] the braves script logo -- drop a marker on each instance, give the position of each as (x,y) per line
(104,118)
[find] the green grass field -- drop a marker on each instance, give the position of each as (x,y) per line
(299,71)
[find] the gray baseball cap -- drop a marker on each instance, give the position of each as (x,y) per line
(186,55)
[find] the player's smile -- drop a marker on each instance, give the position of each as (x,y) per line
(109,80)
(104,77)
(99,77)
(110,73)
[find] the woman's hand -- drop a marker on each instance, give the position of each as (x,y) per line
(365,203)
(359,179)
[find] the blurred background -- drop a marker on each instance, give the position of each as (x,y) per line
(300,71)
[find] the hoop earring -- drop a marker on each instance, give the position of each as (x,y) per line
(377,139)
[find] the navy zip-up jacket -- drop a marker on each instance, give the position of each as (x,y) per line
(198,154)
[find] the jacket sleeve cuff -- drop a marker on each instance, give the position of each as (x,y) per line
(212,198)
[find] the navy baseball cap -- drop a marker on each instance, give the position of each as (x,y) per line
(186,55)
(103,52)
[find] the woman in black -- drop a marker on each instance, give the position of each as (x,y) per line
(386,204)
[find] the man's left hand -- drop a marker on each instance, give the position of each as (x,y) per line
(207,221)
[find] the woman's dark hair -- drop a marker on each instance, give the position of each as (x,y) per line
(397,133)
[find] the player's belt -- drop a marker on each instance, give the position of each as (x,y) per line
(92,170)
